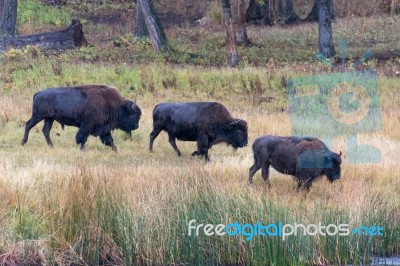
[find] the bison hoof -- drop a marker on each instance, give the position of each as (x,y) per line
(23,142)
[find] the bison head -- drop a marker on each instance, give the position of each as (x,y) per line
(130,115)
(334,160)
(328,162)
(237,133)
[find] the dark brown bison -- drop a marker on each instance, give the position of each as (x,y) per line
(305,158)
(208,123)
(95,109)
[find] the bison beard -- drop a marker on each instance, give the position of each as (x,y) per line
(305,158)
(208,123)
(95,109)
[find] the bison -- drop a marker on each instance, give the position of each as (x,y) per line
(305,158)
(208,123)
(95,109)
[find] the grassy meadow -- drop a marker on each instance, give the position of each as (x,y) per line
(61,206)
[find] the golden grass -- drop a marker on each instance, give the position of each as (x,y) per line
(56,203)
(21,164)
(51,186)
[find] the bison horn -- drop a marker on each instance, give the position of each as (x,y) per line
(134,105)
(340,154)
(238,122)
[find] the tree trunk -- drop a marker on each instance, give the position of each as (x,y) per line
(313,15)
(156,31)
(325,39)
(253,12)
(140,26)
(69,38)
(8,17)
(397,8)
(230,33)
(272,11)
(286,12)
(55,2)
(260,11)
(241,23)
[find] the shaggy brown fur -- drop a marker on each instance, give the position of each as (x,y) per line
(95,109)
(305,158)
(207,123)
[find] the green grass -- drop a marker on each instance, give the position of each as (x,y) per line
(133,207)
(62,206)
(102,224)
(202,46)
(33,14)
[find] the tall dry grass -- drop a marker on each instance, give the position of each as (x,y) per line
(63,206)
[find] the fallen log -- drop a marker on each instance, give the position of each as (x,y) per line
(68,38)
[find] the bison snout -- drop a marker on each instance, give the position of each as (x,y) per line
(333,179)
(240,146)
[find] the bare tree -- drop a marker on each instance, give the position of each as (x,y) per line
(272,11)
(8,17)
(286,12)
(325,39)
(156,31)
(230,33)
(241,23)
(140,25)
(262,11)
(313,15)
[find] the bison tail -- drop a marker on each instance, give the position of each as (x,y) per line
(155,108)
(156,114)
(256,159)
(34,96)
(256,153)
(34,104)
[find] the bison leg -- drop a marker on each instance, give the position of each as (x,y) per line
(153,136)
(48,123)
(304,178)
(203,146)
(206,157)
(256,166)
(171,140)
(107,140)
(81,137)
(28,126)
(195,153)
(265,172)
(252,171)
(304,185)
